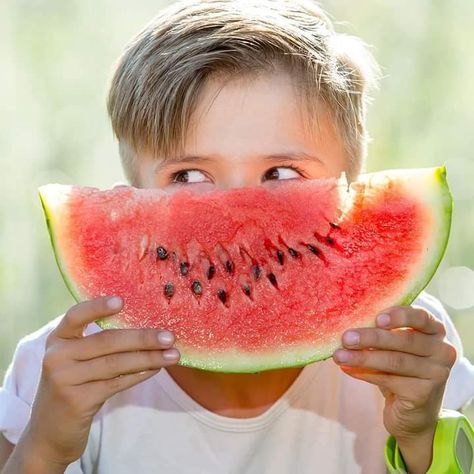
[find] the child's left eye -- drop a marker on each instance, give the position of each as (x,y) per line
(281,172)
(189,176)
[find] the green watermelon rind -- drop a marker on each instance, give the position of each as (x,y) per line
(53,196)
(46,195)
(445,220)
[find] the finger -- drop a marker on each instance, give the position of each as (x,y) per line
(407,316)
(402,340)
(111,341)
(113,365)
(73,322)
(420,390)
(106,388)
(391,362)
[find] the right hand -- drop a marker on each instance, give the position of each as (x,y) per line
(80,373)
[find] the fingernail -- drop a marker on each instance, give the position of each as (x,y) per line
(343,356)
(383,319)
(114,303)
(171,354)
(165,337)
(351,338)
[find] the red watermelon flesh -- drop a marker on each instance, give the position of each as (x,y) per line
(250,279)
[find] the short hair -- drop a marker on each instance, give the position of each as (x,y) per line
(157,80)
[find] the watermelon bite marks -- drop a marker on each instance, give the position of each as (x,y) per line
(251,279)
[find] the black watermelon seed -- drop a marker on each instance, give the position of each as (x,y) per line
(197,287)
(169,290)
(247,290)
(334,226)
(273,280)
(222,295)
(313,249)
(184,268)
(330,240)
(229,266)
(162,253)
(294,253)
(280,258)
(211,271)
(256,271)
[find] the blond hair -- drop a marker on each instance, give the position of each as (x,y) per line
(159,76)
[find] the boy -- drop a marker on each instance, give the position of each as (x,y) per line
(223,94)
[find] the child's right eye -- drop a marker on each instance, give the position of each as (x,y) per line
(282,173)
(189,176)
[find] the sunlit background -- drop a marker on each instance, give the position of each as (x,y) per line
(55,61)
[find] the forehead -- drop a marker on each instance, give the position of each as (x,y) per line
(258,114)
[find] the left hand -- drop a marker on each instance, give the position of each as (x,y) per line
(408,358)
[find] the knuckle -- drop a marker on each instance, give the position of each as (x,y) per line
(422,317)
(359,358)
(441,328)
(431,321)
(441,373)
(69,315)
(372,338)
(146,338)
(408,340)
(396,362)
(153,359)
(399,316)
(112,364)
(108,339)
(49,361)
(450,353)
(423,314)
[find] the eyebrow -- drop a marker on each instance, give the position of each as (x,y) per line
(288,156)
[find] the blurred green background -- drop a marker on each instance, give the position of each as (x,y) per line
(56,59)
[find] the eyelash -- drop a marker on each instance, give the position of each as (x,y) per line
(296,168)
(175,174)
(293,167)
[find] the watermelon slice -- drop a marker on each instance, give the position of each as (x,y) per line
(251,279)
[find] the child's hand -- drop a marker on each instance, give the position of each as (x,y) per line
(407,357)
(80,373)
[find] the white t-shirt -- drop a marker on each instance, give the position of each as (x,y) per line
(326,422)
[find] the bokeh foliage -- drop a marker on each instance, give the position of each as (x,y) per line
(56,59)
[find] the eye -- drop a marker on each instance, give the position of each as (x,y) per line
(189,176)
(282,172)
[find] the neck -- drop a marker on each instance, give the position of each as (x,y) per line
(234,395)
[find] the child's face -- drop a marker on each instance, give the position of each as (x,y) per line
(247,132)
